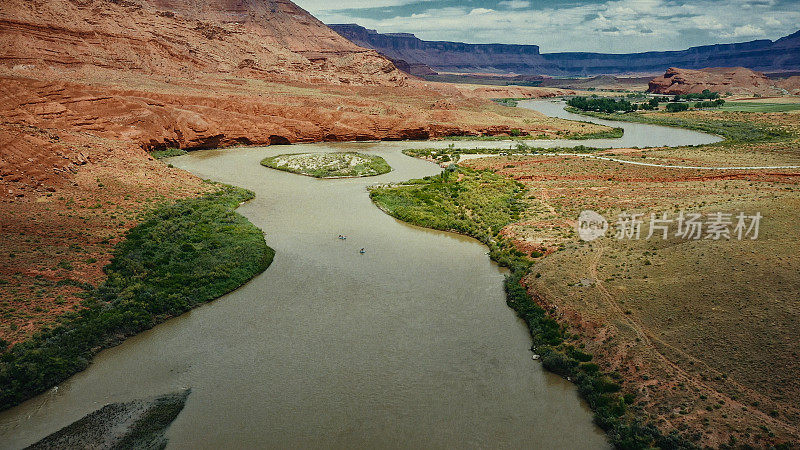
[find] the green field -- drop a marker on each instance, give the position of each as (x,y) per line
(760,107)
(735,129)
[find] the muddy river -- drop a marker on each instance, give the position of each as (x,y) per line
(408,345)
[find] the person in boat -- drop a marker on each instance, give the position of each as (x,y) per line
(362,251)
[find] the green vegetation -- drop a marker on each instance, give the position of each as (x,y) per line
(734,132)
(601,104)
(480,204)
(329,165)
(677,107)
(614,133)
(168,153)
(718,103)
(705,95)
(453,154)
(760,107)
(510,102)
(609,105)
(518,135)
(181,255)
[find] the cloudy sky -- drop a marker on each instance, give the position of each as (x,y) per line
(616,26)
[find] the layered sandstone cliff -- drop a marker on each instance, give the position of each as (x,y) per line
(417,54)
(734,80)
(91,82)
(271,39)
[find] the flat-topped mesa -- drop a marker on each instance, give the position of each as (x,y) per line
(444,57)
(734,80)
(408,49)
(272,39)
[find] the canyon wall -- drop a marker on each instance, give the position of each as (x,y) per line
(763,55)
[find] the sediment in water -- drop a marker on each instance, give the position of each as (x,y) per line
(135,424)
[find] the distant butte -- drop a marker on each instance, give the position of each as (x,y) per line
(734,80)
(412,53)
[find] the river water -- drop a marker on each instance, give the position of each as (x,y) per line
(408,345)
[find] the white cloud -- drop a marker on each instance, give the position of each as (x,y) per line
(515,4)
(317,6)
(617,26)
(480,11)
(744,31)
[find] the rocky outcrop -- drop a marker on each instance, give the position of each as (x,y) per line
(734,80)
(790,85)
(764,55)
(85,83)
(270,39)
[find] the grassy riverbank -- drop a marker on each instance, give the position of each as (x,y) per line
(515,135)
(481,203)
(697,329)
(453,154)
(329,165)
(734,128)
(181,255)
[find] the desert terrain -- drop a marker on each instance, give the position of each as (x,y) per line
(701,331)
(694,338)
(80,116)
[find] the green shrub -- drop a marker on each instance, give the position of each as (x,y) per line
(734,132)
(167,153)
(677,107)
(604,104)
(181,255)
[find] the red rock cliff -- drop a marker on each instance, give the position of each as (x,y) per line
(736,80)
(271,39)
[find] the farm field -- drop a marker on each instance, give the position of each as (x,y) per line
(760,107)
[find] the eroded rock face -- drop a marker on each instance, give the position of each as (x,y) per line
(271,39)
(89,83)
(735,80)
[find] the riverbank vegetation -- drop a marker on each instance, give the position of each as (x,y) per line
(474,203)
(181,254)
(736,129)
(600,104)
(510,102)
(454,154)
(329,165)
(518,135)
(481,203)
(167,153)
(755,107)
(609,105)
(705,95)
(694,328)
